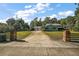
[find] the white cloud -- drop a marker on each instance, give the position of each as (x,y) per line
(29,12)
(28,21)
(66,13)
(53,16)
(41,6)
(43,11)
(4,20)
(25,14)
(29,6)
(63,14)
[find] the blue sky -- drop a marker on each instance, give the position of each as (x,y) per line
(28,11)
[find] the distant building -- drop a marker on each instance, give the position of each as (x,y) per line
(50,27)
(37,28)
(53,27)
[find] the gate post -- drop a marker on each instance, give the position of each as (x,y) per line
(66,36)
(13,35)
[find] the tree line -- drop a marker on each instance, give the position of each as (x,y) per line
(13,24)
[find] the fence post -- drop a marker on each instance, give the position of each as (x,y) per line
(66,36)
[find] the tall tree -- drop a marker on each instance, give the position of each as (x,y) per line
(16,25)
(11,22)
(19,24)
(46,20)
(63,22)
(39,22)
(33,23)
(76,27)
(26,26)
(77,11)
(12,28)
(70,21)
(53,20)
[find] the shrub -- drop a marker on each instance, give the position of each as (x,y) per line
(2,37)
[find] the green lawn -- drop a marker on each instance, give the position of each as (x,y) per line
(23,34)
(59,35)
(20,34)
(55,35)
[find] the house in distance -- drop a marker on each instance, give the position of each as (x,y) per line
(54,27)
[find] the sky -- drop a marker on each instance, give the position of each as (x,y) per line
(28,11)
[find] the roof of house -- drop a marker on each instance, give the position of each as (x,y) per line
(37,26)
(54,24)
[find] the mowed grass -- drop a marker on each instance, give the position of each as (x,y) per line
(20,34)
(55,35)
(23,34)
(59,34)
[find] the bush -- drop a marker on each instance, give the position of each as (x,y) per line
(3,28)
(23,34)
(2,37)
(76,27)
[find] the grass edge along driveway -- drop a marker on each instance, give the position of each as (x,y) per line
(59,34)
(55,35)
(20,34)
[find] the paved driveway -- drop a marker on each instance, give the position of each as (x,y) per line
(38,44)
